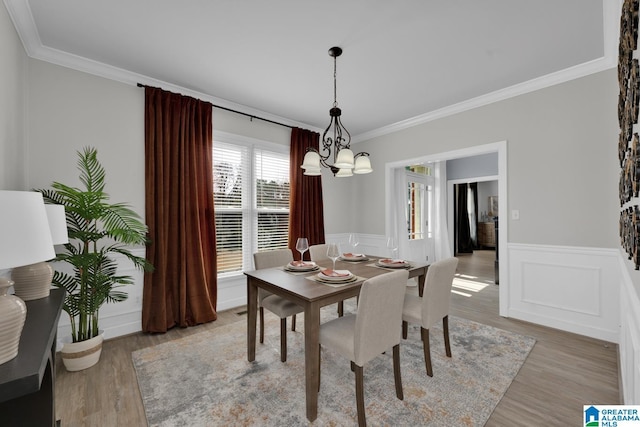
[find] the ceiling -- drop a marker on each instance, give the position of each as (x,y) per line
(403,62)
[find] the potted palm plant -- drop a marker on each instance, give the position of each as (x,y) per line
(98,230)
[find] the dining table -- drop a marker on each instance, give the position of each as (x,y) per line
(312,296)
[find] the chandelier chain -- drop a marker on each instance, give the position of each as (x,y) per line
(335,83)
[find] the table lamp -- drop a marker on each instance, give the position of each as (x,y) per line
(34,281)
(25,240)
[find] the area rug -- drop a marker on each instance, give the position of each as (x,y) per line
(206,380)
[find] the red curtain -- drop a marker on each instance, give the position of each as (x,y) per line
(306,213)
(182,290)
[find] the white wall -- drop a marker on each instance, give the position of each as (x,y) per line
(13,66)
(486,189)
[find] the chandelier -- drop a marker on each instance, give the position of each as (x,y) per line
(344,162)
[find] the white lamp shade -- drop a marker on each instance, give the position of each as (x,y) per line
(311,161)
(57,224)
(344,159)
(363,165)
(24,229)
(344,172)
(312,172)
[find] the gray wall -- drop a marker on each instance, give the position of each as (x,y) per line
(562,163)
(69,110)
(12,82)
(473,166)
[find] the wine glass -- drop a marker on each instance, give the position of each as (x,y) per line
(333,252)
(302,245)
(354,241)
(392,245)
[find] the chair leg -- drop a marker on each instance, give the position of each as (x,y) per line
(293,323)
(396,372)
(319,363)
(360,396)
(427,351)
(405,329)
(353,367)
(340,309)
(283,340)
(261,325)
(445,328)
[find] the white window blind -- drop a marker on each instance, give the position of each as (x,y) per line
(251,194)
(271,172)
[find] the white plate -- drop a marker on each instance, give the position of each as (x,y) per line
(393,263)
(353,257)
(352,279)
(345,275)
(306,266)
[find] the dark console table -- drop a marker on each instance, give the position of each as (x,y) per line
(27,382)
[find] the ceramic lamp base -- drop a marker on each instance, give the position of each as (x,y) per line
(32,281)
(13,312)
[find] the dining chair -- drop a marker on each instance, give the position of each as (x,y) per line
(432,307)
(318,253)
(374,329)
(279,306)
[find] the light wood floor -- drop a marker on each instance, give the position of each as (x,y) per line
(563,371)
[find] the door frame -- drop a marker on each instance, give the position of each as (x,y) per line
(499,147)
(450,202)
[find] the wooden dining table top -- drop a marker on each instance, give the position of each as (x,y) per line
(297,285)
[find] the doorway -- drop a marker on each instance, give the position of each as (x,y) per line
(474,216)
(391,208)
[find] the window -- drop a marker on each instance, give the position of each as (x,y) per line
(251,194)
(419,201)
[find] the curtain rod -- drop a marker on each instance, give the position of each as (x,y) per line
(251,116)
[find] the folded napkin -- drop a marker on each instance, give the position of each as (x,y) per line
(393,261)
(302,264)
(336,273)
(350,255)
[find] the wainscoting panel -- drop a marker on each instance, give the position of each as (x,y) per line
(570,288)
(629,346)
(232,292)
(556,286)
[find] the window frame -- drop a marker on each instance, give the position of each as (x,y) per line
(249,209)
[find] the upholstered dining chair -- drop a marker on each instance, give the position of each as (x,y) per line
(279,306)
(318,253)
(432,307)
(374,329)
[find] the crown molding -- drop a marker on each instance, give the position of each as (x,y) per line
(611,30)
(499,95)
(22,19)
